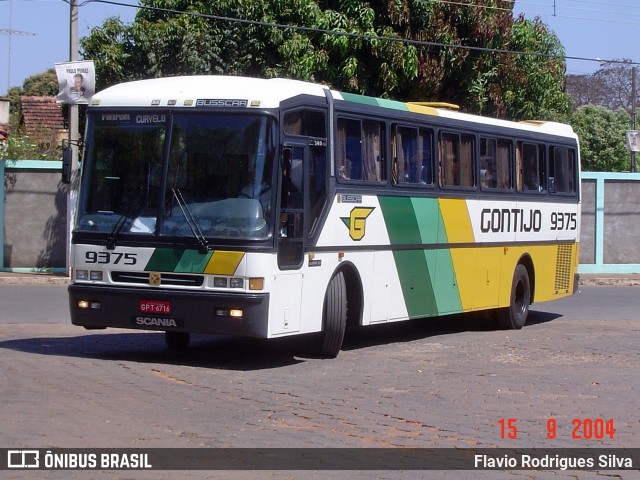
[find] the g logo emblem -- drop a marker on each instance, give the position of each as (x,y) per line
(357,222)
(155,278)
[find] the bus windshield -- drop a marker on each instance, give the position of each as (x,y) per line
(180,174)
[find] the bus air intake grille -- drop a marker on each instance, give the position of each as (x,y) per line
(167,279)
(563,268)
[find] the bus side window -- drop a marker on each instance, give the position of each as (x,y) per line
(359,149)
(562,170)
(456,160)
(412,156)
(308,123)
(495,164)
(531,168)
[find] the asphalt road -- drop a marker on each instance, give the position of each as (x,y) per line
(435,383)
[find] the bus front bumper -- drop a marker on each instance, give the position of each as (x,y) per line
(94,306)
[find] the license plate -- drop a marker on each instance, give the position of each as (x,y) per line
(155,306)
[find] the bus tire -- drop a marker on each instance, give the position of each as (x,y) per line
(515,315)
(334,317)
(177,341)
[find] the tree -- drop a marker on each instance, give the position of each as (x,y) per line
(609,86)
(367,51)
(534,84)
(602,135)
(20,145)
(41,84)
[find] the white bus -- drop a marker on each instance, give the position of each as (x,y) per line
(269,208)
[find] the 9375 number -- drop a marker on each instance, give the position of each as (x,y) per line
(564,221)
(111,257)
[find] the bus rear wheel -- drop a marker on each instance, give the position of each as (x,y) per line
(177,341)
(515,315)
(334,317)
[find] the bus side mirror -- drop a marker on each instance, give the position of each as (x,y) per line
(66,164)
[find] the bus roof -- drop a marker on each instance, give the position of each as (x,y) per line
(187,91)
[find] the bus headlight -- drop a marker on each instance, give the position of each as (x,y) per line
(96,275)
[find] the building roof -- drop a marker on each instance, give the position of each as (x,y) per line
(41,114)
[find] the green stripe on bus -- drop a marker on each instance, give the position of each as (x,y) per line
(376,102)
(164,260)
(412,266)
(429,220)
(427,277)
(445,284)
(400,218)
(193,261)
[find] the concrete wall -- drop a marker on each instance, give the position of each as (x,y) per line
(610,235)
(34,228)
(34,215)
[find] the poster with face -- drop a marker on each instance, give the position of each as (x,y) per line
(76,82)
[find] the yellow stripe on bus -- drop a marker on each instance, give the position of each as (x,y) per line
(223,263)
(456,220)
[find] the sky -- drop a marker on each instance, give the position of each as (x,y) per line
(591,29)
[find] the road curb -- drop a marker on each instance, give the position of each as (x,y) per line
(20,279)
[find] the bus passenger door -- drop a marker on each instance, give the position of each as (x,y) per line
(291,233)
(288,284)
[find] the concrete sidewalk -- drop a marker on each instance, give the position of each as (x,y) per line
(32,278)
(13,278)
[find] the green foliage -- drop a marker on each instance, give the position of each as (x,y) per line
(541,76)
(41,84)
(22,147)
(365,54)
(602,135)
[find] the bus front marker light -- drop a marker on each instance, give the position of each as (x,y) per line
(83,304)
(220,282)
(95,275)
(256,283)
(82,274)
(236,313)
(237,283)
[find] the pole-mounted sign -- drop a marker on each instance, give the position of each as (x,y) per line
(76,82)
(633,140)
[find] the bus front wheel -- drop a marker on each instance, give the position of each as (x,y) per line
(515,315)
(334,317)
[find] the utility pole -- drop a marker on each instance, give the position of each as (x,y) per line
(634,74)
(73,133)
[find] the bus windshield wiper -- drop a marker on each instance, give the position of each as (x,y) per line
(115,231)
(203,246)
(122,220)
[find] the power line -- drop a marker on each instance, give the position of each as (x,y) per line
(557,8)
(360,36)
